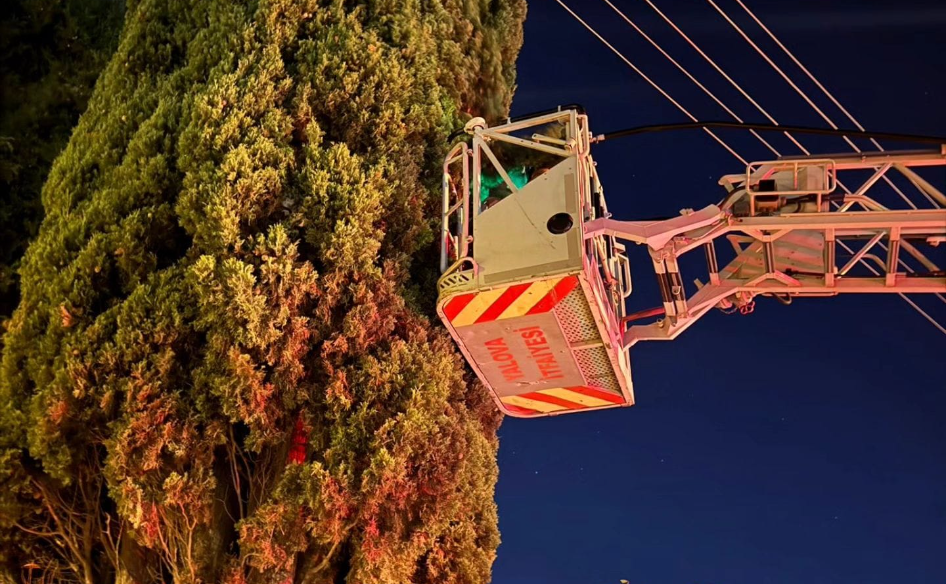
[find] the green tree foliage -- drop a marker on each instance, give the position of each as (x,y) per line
(215,373)
(51,52)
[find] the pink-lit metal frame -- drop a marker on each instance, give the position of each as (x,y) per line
(855,218)
(668,240)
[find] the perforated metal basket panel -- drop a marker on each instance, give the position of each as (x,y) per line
(456,281)
(576,319)
(596,366)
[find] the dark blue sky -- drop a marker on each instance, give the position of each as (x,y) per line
(798,444)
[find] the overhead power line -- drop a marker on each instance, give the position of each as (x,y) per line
(725,76)
(689,76)
(650,81)
(778,69)
(806,71)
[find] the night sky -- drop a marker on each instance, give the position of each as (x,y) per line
(800,444)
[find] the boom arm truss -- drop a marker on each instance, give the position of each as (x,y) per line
(785,224)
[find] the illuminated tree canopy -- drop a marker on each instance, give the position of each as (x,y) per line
(220,369)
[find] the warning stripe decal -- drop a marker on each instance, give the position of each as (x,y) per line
(598,394)
(511,294)
(508,302)
(574,396)
(477,307)
(559,399)
(556,295)
(524,402)
(536,292)
(542,396)
(456,305)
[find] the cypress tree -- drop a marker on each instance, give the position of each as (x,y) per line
(220,369)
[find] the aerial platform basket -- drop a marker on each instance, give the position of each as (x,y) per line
(533,304)
(534,277)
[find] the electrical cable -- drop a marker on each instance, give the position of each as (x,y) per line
(940,140)
(806,71)
(689,75)
(719,70)
(650,81)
